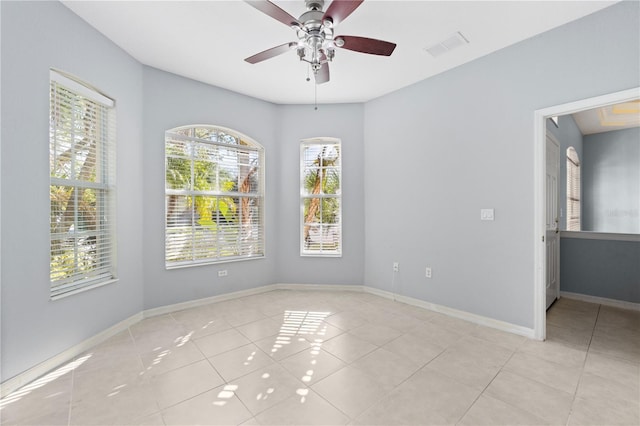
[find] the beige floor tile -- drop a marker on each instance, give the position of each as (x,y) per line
(351,391)
(597,387)
(304,408)
(151,420)
(124,405)
(281,347)
(621,318)
(625,347)
(375,333)
(457,325)
(243,316)
(238,362)
(566,303)
(201,322)
(312,365)
(44,401)
(346,320)
(578,339)
(386,367)
(161,361)
(487,411)
(623,371)
(219,406)
(416,348)
(427,398)
(550,373)
(599,412)
(541,400)
(438,335)
(266,387)
(348,347)
(260,329)
(555,352)
(565,318)
(218,343)
(582,374)
(185,382)
(471,361)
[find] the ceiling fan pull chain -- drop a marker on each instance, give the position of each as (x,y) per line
(315,101)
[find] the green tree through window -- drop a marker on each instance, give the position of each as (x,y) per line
(214,196)
(321,233)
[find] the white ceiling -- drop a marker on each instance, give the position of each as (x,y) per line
(208,41)
(608,118)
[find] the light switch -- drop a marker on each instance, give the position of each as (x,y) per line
(486,214)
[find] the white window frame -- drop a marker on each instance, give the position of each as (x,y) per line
(69,92)
(177,227)
(573,190)
(322,249)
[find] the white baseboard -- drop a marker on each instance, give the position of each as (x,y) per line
(207,300)
(601,300)
(467,316)
(43,368)
(68,355)
(320,287)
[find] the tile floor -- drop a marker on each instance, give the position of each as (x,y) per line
(330,358)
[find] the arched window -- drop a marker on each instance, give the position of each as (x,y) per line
(214,196)
(573,190)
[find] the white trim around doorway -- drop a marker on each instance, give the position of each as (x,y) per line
(539,164)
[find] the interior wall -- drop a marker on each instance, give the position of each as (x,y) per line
(465,139)
(611,182)
(171,101)
(35,37)
(298,122)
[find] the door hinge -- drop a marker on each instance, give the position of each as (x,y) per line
(543,238)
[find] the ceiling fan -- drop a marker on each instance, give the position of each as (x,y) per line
(315,31)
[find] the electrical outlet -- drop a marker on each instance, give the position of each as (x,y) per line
(396,267)
(428,273)
(222,273)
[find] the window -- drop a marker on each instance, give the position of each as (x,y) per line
(214,196)
(82,186)
(320,200)
(573,190)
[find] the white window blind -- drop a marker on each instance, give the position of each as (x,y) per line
(214,196)
(321,197)
(82,186)
(573,190)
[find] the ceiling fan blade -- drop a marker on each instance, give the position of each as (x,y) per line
(322,76)
(339,10)
(274,11)
(270,53)
(366,45)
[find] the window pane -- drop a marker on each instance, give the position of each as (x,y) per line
(81,160)
(219,224)
(320,170)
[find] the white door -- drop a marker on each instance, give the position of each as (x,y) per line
(552,236)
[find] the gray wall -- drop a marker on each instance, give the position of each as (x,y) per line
(611,182)
(465,139)
(35,37)
(297,122)
(568,134)
(171,101)
(603,268)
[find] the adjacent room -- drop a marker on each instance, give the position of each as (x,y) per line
(320,212)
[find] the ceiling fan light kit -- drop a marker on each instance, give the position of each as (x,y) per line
(316,42)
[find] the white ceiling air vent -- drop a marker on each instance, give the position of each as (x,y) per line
(452,42)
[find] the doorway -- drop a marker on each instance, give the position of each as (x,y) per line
(541,264)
